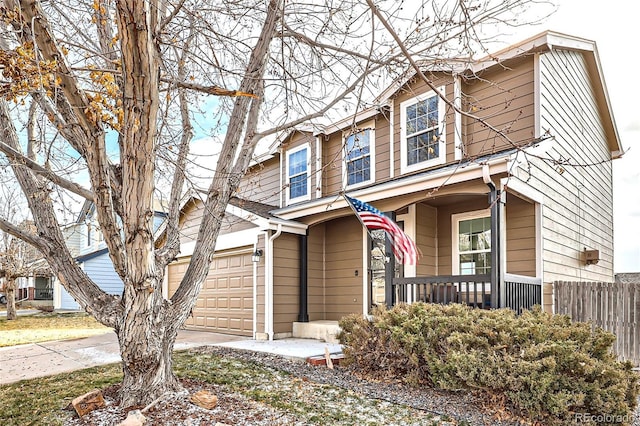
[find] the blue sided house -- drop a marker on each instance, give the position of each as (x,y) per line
(85,238)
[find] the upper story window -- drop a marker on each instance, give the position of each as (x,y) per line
(422,138)
(358,152)
(298,174)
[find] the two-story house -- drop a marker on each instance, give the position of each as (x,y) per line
(499,170)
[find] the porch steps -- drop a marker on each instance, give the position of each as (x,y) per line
(319,330)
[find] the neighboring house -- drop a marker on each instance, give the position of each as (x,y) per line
(87,245)
(36,286)
(497,221)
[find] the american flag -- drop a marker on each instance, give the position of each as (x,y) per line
(404,248)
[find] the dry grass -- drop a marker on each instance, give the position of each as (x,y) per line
(43,327)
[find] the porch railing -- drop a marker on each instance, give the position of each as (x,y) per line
(473,290)
(43,294)
(518,292)
(521,292)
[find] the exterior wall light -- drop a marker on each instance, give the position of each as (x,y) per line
(256,255)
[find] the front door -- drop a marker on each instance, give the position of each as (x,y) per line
(377,263)
(379,260)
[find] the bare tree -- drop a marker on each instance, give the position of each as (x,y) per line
(17,258)
(117,86)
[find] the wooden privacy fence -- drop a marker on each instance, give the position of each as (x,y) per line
(615,307)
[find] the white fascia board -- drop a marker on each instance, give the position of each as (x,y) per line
(522,188)
(243,214)
(246,237)
(271,223)
(394,188)
(288,226)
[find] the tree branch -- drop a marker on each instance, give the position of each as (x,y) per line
(19,158)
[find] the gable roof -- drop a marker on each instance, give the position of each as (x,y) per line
(540,43)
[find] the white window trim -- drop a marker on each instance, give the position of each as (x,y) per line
(372,156)
(290,152)
(455,234)
(404,167)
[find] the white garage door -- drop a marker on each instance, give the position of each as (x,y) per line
(225,304)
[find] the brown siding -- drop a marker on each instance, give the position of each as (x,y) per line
(190,221)
(333,173)
(427,239)
(262,183)
(445,231)
(412,90)
(382,148)
(504,98)
(315,257)
(231,223)
(343,258)
(332,161)
(286,282)
(521,236)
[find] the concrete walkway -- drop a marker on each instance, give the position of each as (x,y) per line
(49,358)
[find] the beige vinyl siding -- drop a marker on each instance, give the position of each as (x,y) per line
(190,221)
(332,155)
(578,209)
(504,98)
(192,216)
(315,277)
(286,282)
(332,161)
(445,231)
(521,236)
(343,294)
(427,239)
(262,183)
(412,90)
(231,223)
(382,148)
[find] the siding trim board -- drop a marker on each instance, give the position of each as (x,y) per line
(421,182)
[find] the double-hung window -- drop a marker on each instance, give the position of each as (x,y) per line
(298,174)
(358,152)
(472,243)
(422,132)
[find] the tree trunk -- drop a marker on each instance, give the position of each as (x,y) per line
(146,339)
(10,293)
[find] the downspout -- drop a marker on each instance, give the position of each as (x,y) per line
(268,309)
(255,292)
(303,313)
(494,200)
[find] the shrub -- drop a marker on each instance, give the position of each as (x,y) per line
(547,367)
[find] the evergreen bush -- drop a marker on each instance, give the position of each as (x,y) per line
(548,368)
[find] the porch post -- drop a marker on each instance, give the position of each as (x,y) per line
(389,267)
(303,314)
(494,202)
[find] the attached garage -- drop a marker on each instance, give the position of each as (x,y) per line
(225,304)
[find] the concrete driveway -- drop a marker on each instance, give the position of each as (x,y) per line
(49,358)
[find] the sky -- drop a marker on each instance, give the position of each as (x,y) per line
(615,28)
